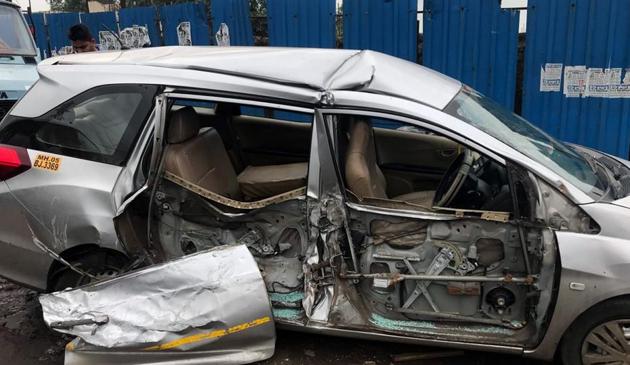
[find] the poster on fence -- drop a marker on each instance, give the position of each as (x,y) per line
(550,77)
(574,81)
(107,41)
(130,37)
(184,35)
(223,35)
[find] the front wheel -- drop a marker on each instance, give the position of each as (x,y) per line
(599,336)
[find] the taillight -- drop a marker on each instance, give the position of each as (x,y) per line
(13,161)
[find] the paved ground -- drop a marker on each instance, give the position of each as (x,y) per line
(25,340)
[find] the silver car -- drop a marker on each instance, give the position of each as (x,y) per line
(196,198)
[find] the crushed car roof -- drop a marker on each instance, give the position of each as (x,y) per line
(317,69)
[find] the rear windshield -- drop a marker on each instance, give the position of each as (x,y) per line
(15,38)
(99,125)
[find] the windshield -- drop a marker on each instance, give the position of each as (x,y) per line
(15,38)
(511,129)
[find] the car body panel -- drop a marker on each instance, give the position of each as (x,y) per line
(16,79)
(210,307)
(73,205)
(21,260)
(594,268)
(329,69)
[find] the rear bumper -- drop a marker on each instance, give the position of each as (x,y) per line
(21,261)
(23,267)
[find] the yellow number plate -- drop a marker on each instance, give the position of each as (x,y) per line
(47,162)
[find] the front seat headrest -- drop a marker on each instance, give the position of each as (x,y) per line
(184,125)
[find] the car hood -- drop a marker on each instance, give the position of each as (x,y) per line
(15,80)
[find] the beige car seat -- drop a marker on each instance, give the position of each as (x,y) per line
(363,175)
(201,158)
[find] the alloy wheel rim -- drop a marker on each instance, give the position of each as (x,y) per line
(607,344)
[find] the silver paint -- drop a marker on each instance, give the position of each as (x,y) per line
(349,79)
(213,290)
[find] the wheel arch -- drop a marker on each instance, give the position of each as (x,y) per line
(75,252)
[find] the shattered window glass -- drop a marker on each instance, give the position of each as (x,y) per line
(509,128)
(100,125)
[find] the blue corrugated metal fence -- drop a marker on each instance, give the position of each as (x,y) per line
(301,23)
(234,13)
(100,22)
(475,42)
(577,81)
(389,26)
(174,16)
(38,22)
(58,25)
(146,16)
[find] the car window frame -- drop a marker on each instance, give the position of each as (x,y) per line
(169,94)
(326,113)
(128,141)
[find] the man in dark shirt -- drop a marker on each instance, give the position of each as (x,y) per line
(81,38)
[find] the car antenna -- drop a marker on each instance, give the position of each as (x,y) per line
(122,46)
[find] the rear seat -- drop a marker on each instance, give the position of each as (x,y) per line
(201,158)
(258,182)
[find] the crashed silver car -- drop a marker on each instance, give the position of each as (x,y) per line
(196,198)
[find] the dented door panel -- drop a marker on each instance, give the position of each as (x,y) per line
(210,307)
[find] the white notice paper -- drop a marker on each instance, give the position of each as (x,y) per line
(574,81)
(551,77)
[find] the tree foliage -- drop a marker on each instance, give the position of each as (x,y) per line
(68,5)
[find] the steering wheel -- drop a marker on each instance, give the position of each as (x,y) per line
(453,179)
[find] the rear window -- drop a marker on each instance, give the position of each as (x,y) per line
(99,125)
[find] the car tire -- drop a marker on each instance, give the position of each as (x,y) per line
(583,339)
(100,263)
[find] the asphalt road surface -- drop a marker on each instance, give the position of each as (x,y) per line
(25,340)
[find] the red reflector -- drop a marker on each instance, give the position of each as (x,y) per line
(13,161)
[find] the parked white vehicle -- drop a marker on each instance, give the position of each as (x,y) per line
(18,56)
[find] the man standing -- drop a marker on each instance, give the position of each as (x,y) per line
(81,38)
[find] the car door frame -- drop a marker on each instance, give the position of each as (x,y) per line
(325,113)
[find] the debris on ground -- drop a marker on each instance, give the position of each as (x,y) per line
(400,358)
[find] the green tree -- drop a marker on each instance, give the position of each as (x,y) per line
(258,7)
(68,5)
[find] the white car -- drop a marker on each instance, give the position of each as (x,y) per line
(229,190)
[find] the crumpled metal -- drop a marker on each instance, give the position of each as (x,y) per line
(214,289)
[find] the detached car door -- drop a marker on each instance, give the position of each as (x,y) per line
(211,307)
(70,167)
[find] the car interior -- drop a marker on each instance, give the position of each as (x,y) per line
(248,155)
(386,162)
(241,157)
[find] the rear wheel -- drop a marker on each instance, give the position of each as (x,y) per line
(100,263)
(599,336)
